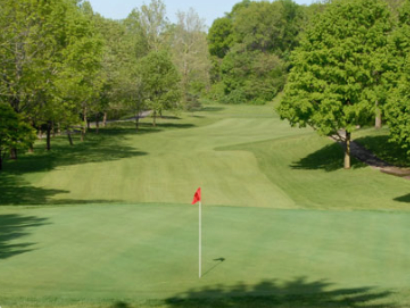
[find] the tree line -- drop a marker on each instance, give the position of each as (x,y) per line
(340,63)
(63,66)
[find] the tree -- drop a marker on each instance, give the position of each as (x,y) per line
(159,82)
(46,47)
(220,37)
(190,54)
(337,69)
(154,23)
(15,133)
(398,105)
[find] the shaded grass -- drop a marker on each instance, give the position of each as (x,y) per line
(12,227)
(299,292)
(378,142)
(329,158)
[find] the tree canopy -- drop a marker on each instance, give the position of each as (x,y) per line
(337,68)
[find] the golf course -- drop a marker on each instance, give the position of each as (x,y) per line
(109,222)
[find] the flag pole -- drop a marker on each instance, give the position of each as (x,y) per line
(200,239)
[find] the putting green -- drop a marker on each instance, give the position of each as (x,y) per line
(149,251)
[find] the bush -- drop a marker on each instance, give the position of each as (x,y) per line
(235,97)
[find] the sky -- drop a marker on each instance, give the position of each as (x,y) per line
(207,9)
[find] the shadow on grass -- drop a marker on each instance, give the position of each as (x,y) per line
(329,158)
(125,128)
(15,191)
(210,109)
(103,147)
(120,305)
(13,227)
(296,293)
(385,150)
(404,199)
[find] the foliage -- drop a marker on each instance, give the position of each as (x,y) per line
(398,106)
(159,82)
(15,133)
(335,70)
(190,54)
(250,47)
(220,37)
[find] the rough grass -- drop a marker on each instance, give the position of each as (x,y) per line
(107,223)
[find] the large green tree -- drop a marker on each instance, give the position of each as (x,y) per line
(159,82)
(334,82)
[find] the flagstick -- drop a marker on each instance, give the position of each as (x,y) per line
(200,239)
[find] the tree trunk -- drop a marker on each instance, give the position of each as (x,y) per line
(347,151)
(69,137)
(13,154)
(31,149)
(137,122)
(53,130)
(378,122)
(49,128)
(154,123)
(105,119)
(85,124)
(59,129)
(40,132)
(97,125)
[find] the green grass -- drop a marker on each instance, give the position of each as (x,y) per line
(107,223)
(108,253)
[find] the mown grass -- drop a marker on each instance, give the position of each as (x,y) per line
(107,223)
(140,254)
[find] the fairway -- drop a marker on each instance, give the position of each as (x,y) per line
(108,223)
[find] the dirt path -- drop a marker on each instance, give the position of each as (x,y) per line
(366,156)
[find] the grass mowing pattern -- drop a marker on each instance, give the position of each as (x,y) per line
(140,252)
(275,209)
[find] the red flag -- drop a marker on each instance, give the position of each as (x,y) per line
(197,196)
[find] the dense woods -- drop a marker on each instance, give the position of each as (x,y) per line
(341,64)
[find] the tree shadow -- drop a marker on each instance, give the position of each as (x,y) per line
(330,158)
(210,109)
(170,117)
(17,192)
(269,293)
(162,126)
(103,147)
(404,199)
(120,305)
(388,151)
(13,227)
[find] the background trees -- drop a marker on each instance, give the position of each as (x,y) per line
(62,65)
(250,48)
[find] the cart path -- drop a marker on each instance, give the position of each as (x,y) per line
(368,157)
